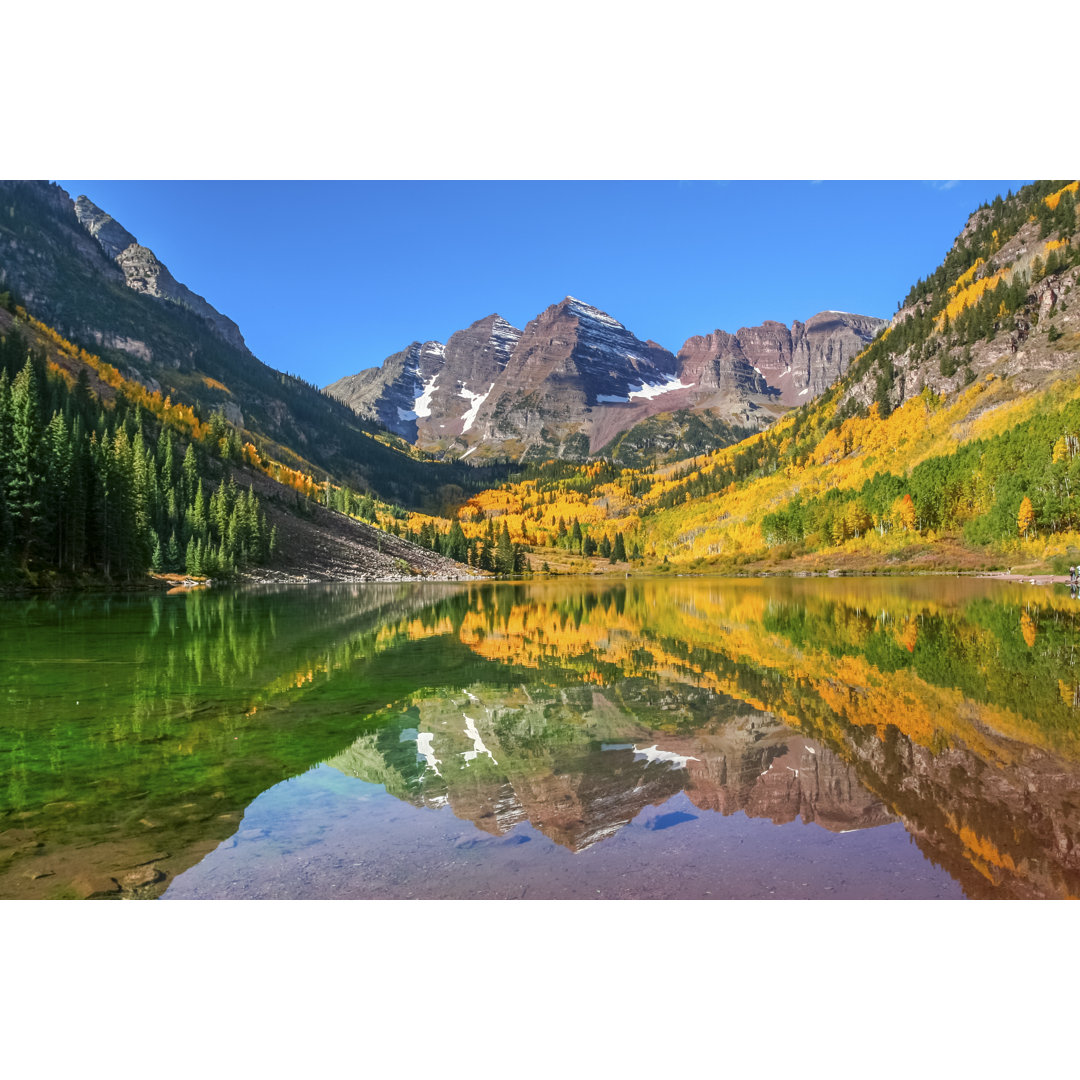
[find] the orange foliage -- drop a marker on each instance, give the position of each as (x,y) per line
(181,417)
(969,295)
(1055,198)
(1026,517)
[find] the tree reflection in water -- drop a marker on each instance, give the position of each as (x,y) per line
(948,705)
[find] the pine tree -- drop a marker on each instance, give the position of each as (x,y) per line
(189,470)
(26,479)
(504,552)
(7,450)
(172,554)
(57,482)
(457,547)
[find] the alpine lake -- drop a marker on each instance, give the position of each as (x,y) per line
(682,738)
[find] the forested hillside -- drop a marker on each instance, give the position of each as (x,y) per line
(86,488)
(102,480)
(952,441)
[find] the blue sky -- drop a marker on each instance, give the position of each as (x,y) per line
(326,278)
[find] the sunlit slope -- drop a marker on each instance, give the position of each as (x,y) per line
(965,406)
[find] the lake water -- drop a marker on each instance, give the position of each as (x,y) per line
(683,738)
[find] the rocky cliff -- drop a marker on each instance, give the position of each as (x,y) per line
(803,361)
(145,273)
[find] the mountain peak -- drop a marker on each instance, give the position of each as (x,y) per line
(579,308)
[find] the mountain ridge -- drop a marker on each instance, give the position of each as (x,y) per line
(576,379)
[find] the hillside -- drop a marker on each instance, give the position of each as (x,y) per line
(952,440)
(102,481)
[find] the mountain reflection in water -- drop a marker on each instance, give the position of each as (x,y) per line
(144,736)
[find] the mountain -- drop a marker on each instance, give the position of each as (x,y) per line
(84,275)
(429,392)
(577,384)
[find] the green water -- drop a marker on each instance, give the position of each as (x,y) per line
(653,738)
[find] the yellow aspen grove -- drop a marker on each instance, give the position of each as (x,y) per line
(1026,518)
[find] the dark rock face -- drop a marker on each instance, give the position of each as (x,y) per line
(429,393)
(822,349)
(576,380)
(104,228)
(399,392)
(145,273)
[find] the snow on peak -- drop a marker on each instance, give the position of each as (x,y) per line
(587,311)
(504,336)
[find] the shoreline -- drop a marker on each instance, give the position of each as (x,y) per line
(173,584)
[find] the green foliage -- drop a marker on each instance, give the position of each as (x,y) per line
(98,490)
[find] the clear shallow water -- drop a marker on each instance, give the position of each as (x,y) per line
(654,739)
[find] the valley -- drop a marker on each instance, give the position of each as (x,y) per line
(944,439)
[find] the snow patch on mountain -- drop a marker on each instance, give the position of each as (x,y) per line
(591,314)
(646,391)
(422,405)
(504,337)
(651,390)
(477,400)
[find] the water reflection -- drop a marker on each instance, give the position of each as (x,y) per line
(137,732)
